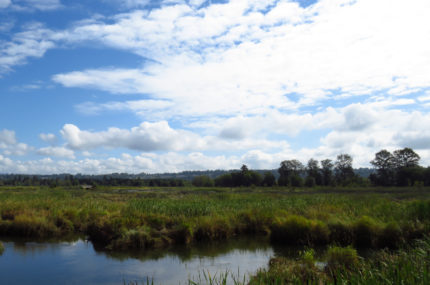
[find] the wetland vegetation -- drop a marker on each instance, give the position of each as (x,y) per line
(119,219)
(328,206)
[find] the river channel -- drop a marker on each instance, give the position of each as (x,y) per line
(78,262)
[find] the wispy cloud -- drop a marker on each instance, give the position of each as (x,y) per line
(256,55)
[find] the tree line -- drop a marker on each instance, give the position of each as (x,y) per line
(400,168)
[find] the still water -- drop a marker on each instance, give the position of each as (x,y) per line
(78,262)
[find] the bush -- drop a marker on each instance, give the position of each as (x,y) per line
(137,239)
(419,210)
(1,248)
(339,258)
(294,230)
(341,234)
(390,236)
(365,232)
(297,230)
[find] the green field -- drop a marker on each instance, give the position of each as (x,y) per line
(139,218)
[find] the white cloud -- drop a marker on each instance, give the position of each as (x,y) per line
(17,149)
(158,136)
(145,137)
(10,145)
(56,152)
(7,137)
(232,58)
(49,138)
(33,42)
(147,162)
(243,77)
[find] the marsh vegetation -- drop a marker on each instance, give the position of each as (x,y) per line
(118,219)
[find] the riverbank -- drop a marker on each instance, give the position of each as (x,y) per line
(408,265)
(123,219)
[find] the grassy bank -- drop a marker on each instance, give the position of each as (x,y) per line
(142,218)
(340,265)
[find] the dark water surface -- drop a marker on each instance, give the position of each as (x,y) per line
(79,263)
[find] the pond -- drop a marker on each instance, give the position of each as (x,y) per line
(78,262)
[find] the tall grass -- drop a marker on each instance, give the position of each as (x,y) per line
(409,265)
(126,220)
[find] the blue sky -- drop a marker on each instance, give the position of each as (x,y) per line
(155,86)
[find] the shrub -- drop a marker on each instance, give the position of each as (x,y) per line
(341,234)
(419,210)
(29,226)
(308,257)
(212,228)
(298,230)
(365,232)
(340,258)
(1,248)
(320,233)
(182,233)
(294,230)
(390,236)
(137,239)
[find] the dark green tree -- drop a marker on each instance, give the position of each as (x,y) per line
(327,172)
(313,170)
(202,181)
(269,179)
(385,166)
(406,157)
(343,169)
(287,170)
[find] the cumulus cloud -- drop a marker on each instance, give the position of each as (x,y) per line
(10,145)
(145,137)
(49,138)
(145,162)
(7,137)
(158,136)
(56,152)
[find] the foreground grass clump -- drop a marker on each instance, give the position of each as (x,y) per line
(343,266)
(297,230)
(116,218)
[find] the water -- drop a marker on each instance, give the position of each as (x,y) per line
(79,262)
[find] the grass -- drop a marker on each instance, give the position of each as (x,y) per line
(391,219)
(409,265)
(118,219)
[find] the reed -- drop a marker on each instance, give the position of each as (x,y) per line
(117,219)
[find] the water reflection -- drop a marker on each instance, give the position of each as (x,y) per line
(78,262)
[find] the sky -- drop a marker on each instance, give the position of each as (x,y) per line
(150,86)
